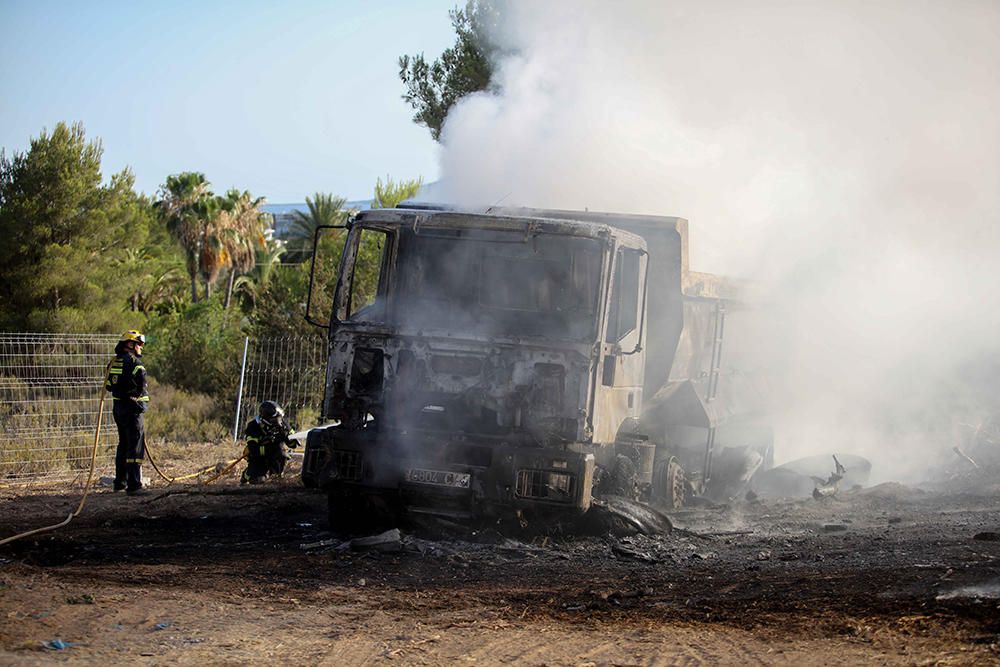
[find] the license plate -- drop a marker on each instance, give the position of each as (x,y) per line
(458,480)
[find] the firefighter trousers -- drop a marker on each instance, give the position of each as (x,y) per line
(270,463)
(131,445)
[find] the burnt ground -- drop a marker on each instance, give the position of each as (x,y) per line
(230,575)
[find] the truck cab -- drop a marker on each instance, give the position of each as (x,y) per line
(479,362)
(528,360)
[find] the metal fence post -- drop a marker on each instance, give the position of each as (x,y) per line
(239,395)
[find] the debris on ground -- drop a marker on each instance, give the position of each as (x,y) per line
(389,541)
(811,476)
(750,576)
(826,488)
(320,544)
(624,551)
(635,515)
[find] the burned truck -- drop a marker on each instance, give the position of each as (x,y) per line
(526,361)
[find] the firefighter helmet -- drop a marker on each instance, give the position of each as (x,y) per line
(133,336)
(269,410)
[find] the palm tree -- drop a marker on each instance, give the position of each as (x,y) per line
(213,255)
(324,210)
(267,257)
(182,205)
(241,227)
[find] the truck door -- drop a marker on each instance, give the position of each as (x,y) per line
(620,377)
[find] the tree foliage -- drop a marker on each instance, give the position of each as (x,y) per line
(71,242)
(281,307)
(240,228)
(184,205)
(391,193)
(217,233)
(197,348)
(79,254)
(249,286)
(467,67)
(323,209)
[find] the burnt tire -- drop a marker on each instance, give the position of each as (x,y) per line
(669,486)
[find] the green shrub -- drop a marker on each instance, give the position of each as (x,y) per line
(179,416)
(198,350)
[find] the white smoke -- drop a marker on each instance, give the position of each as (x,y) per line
(846,155)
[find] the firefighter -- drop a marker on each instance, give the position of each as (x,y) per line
(126,380)
(267,444)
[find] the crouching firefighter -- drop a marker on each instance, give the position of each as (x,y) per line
(267,444)
(126,380)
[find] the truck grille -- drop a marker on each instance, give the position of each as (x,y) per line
(346,465)
(545,485)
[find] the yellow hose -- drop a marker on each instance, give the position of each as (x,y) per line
(171,480)
(90,477)
(86,487)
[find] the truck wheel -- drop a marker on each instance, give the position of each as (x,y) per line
(623,478)
(668,483)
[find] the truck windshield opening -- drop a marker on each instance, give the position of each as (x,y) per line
(498,283)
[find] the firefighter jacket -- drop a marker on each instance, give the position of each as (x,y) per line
(127,380)
(264,439)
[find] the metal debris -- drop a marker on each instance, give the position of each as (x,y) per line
(320,544)
(389,541)
(829,486)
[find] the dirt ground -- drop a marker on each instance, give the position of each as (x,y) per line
(249,575)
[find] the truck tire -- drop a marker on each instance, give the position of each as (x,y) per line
(669,486)
(623,478)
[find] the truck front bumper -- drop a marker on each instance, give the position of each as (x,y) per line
(457,477)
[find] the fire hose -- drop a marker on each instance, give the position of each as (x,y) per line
(86,487)
(170,480)
(90,477)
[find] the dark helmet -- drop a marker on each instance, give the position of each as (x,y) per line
(269,410)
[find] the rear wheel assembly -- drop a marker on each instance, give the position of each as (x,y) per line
(668,483)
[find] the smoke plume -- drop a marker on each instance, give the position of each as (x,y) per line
(845,156)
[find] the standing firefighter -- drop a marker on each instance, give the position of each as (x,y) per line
(126,381)
(267,437)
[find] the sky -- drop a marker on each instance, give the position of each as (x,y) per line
(282,99)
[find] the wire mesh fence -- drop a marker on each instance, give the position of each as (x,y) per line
(51,386)
(49,396)
(289,371)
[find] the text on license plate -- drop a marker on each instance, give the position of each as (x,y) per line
(459,480)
